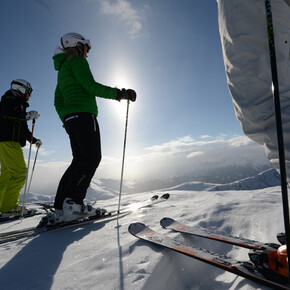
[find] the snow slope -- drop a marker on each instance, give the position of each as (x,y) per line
(105,256)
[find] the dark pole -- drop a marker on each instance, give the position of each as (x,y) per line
(276,96)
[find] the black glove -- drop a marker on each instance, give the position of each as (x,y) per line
(126,95)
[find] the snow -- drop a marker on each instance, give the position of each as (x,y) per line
(104,255)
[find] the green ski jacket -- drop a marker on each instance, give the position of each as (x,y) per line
(76,88)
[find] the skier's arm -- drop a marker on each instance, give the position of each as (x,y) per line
(28,136)
(84,77)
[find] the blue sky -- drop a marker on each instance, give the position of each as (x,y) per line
(168,51)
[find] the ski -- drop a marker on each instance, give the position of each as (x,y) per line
(4,217)
(172,224)
(244,269)
(34,231)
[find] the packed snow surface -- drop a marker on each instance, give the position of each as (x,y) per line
(104,255)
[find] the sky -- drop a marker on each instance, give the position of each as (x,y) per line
(168,51)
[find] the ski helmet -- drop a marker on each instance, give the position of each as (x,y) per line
(73,39)
(21,86)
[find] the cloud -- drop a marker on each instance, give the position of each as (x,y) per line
(42,151)
(185,155)
(240,141)
(178,145)
(179,157)
(194,154)
(205,137)
(44,4)
(130,16)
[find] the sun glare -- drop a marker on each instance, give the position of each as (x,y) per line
(121,81)
(120,108)
(134,207)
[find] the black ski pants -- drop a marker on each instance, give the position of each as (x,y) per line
(84,134)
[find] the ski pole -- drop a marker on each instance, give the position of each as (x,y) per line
(31,175)
(28,161)
(276,95)
(123,160)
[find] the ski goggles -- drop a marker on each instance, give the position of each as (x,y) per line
(29,91)
(86,43)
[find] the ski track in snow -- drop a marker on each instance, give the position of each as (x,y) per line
(104,255)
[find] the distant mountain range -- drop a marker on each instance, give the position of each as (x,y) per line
(102,189)
(264,179)
(223,177)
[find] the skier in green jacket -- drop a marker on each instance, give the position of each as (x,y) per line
(14,133)
(75,103)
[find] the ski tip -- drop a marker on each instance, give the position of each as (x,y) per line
(165,196)
(135,228)
(165,222)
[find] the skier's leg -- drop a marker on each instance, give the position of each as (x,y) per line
(243,32)
(4,177)
(13,158)
(63,187)
(87,134)
(86,149)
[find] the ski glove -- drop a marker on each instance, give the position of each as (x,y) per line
(38,143)
(32,115)
(126,95)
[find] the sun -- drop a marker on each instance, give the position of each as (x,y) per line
(120,108)
(121,81)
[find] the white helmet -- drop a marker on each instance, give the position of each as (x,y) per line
(73,39)
(21,86)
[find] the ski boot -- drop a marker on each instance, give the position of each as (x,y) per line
(271,261)
(52,218)
(17,211)
(74,211)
